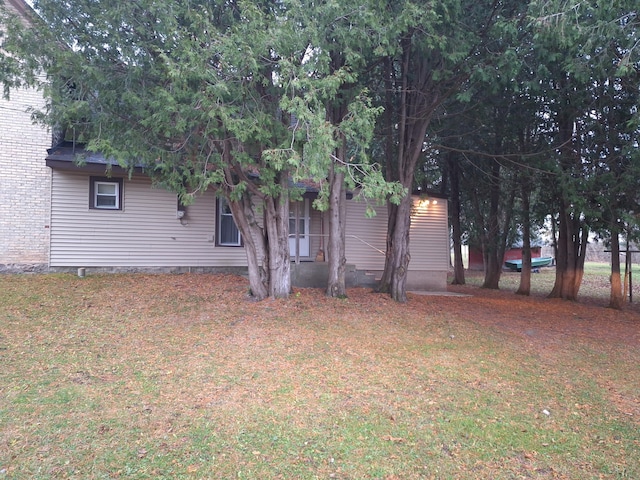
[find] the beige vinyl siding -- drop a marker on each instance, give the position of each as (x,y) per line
(365,237)
(145,233)
(316,241)
(429,237)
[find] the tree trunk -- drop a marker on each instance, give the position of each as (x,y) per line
(266,247)
(384,286)
(335,113)
(401,256)
(396,266)
(336,285)
(616,299)
(414,111)
(572,231)
(276,215)
(627,271)
(458,265)
(254,246)
(561,256)
(572,244)
(525,274)
(496,234)
(493,271)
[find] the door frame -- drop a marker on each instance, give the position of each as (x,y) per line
(304,239)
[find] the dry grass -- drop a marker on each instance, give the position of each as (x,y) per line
(184,376)
(595,287)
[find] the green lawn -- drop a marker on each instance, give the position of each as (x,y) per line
(183,376)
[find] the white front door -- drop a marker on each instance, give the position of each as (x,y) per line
(299,228)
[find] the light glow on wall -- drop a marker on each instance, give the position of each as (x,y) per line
(421,207)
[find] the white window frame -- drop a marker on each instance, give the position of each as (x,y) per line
(95,195)
(221,215)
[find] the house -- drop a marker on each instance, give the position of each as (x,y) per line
(58,216)
(25,180)
(105,220)
(514,252)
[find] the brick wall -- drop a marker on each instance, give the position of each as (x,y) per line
(25,180)
(25,184)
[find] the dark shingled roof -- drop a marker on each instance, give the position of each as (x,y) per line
(69,156)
